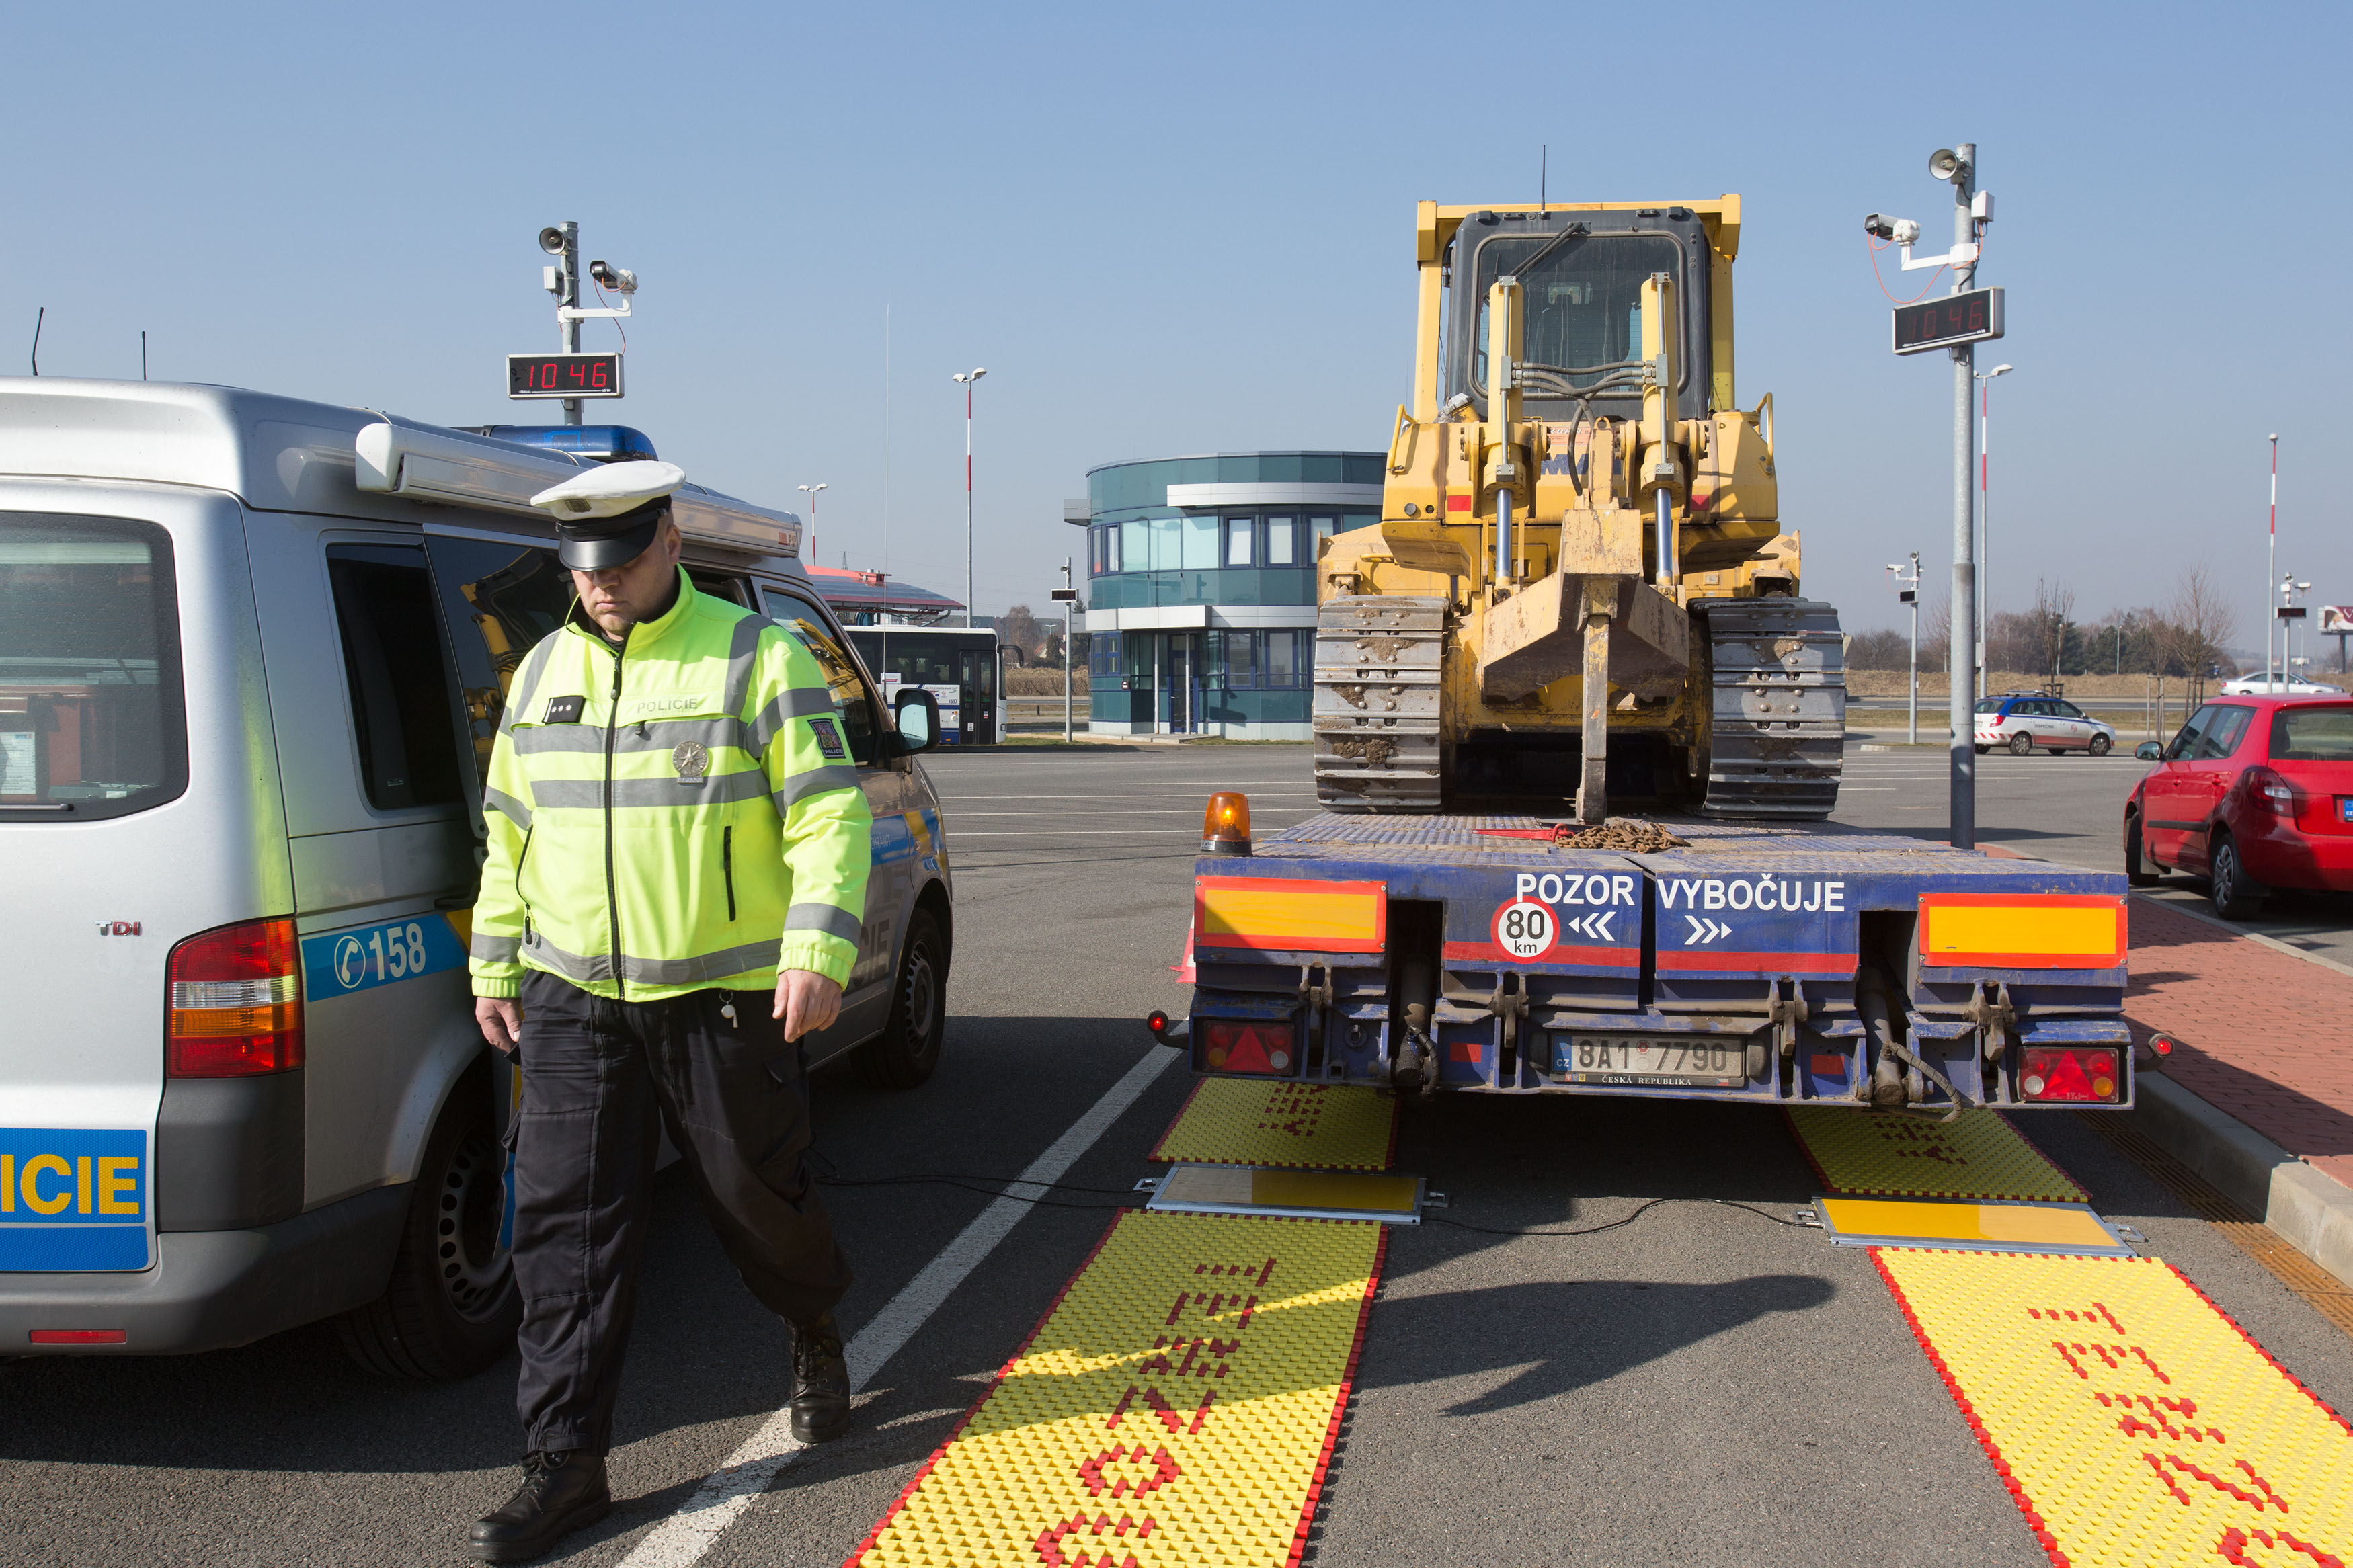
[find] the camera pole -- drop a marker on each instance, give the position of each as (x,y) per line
(1961,659)
(570,325)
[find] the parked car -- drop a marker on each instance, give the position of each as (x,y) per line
(2255,793)
(2021,720)
(2258,684)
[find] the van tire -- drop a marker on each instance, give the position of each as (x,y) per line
(2022,744)
(451,1308)
(904,1055)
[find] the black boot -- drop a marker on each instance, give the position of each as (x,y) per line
(561,1493)
(820,1398)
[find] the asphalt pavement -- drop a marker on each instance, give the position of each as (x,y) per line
(1700,1385)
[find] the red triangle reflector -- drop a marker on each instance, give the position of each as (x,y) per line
(1249,1054)
(2066,1079)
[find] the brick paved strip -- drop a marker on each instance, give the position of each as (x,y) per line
(2264,1035)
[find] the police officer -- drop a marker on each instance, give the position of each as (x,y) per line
(676,872)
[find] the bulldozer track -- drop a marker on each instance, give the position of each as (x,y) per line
(1777,691)
(1377,660)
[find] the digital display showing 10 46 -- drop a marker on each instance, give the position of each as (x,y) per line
(1949,321)
(564,375)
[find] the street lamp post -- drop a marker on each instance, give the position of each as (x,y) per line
(967,380)
(809,551)
(1985,464)
(2270,568)
(1907,589)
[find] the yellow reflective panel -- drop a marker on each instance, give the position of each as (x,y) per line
(1252,1121)
(2023,1225)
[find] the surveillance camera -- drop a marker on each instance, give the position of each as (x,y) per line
(1879,227)
(550,240)
(1948,164)
(1906,231)
(615,277)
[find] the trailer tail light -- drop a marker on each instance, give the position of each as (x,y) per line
(1245,1045)
(2057,1073)
(236,1006)
(78,1336)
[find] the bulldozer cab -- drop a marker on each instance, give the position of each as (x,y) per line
(1581,273)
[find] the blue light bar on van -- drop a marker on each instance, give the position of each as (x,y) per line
(597,443)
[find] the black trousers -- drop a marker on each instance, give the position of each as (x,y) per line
(595,1075)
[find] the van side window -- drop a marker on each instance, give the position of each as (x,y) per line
(497,601)
(399,686)
(851,700)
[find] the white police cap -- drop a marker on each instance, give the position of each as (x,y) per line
(608,515)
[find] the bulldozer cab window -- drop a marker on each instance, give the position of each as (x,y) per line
(1583,303)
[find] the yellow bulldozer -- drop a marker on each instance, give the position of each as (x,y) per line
(1580,584)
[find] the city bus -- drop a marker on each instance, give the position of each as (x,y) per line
(963,667)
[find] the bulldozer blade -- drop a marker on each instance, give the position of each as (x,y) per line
(1531,639)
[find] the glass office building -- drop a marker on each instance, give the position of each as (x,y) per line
(1200,595)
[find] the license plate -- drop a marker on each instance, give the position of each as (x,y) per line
(72,1200)
(1639,1060)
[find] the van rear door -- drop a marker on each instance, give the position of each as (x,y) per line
(118,839)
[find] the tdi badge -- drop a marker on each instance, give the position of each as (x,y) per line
(829,738)
(690,760)
(564,710)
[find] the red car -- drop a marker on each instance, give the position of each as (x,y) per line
(2255,793)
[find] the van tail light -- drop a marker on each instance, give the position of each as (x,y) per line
(2272,791)
(2052,1073)
(235,1005)
(1236,1045)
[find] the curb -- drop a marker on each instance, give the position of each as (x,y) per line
(2256,936)
(2310,1210)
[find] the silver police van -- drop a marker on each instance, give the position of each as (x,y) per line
(253,653)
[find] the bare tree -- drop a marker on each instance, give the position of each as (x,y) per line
(1018,628)
(2054,612)
(2202,621)
(1937,633)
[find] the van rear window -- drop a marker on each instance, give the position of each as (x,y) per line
(91,719)
(2313,734)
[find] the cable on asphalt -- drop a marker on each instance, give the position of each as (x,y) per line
(1613,1225)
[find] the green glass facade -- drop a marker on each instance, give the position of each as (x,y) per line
(1201,587)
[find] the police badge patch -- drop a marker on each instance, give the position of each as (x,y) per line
(690,760)
(829,738)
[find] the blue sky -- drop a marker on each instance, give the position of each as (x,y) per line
(1187,230)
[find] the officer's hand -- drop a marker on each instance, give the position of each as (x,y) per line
(500,1022)
(806,1001)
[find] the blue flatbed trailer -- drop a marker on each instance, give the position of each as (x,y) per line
(1808,963)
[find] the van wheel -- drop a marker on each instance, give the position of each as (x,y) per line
(2233,895)
(2021,745)
(905,1054)
(2137,874)
(2099,746)
(451,1308)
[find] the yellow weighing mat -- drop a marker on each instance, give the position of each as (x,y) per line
(1177,1405)
(2071,1229)
(2134,1423)
(1979,1155)
(1253,1122)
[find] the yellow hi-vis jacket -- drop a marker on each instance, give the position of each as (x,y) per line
(677,814)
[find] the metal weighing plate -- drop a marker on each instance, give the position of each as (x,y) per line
(1719,1061)
(1296,1195)
(2067,1230)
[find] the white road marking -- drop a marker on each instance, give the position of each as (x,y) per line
(683,1537)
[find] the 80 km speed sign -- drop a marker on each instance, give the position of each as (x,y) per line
(1524,928)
